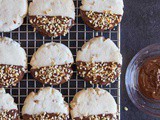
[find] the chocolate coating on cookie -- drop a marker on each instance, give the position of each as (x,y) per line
(52,26)
(9,115)
(101,73)
(53,75)
(97,117)
(100,21)
(52,18)
(46,116)
(10,75)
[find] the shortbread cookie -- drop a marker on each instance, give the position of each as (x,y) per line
(51,64)
(102,14)
(47,104)
(99,61)
(8,109)
(12,13)
(52,18)
(13,62)
(93,104)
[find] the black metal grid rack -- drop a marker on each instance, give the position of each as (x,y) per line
(78,35)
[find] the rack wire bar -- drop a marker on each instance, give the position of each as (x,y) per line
(78,35)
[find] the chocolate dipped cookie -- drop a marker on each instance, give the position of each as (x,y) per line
(99,61)
(51,64)
(52,18)
(93,104)
(13,62)
(8,109)
(47,104)
(101,15)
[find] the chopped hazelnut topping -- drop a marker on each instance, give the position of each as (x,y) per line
(49,116)
(52,25)
(48,11)
(10,74)
(105,20)
(9,115)
(99,72)
(53,74)
(97,117)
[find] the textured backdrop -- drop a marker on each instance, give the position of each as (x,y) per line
(140,28)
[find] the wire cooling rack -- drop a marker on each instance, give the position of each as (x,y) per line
(78,35)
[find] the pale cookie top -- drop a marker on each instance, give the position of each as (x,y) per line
(47,100)
(115,6)
(99,49)
(63,8)
(93,102)
(12,53)
(12,13)
(51,54)
(6,101)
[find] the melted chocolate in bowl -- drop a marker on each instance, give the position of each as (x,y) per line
(149,78)
(142,80)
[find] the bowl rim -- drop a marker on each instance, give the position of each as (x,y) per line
(128,70)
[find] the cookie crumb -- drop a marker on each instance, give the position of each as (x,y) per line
(34,30)
(125,108)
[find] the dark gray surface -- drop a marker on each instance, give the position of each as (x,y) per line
(140,28)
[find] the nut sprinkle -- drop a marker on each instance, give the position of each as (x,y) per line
(10,75)
(53,75)
(97,117)
(100,72)
(9,115)
(46,116)
(101,21)
(52,26)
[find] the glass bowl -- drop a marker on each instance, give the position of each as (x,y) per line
(149,106)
